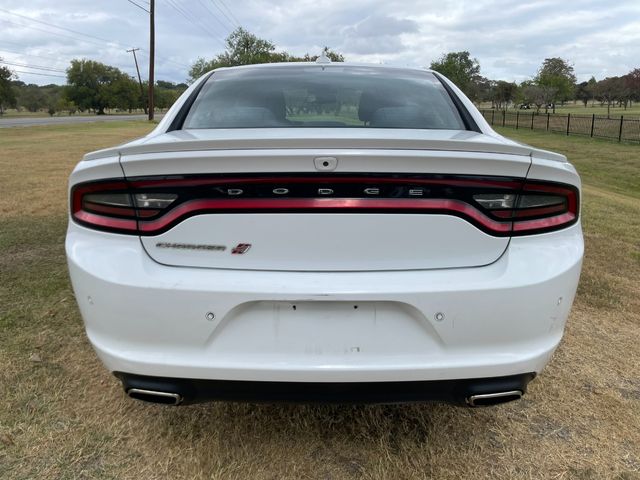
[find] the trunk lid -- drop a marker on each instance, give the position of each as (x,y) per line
(333,224)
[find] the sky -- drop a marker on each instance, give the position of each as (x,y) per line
(510,39)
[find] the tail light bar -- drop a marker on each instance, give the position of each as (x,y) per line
(500,206)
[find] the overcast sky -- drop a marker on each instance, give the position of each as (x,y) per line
(510,39)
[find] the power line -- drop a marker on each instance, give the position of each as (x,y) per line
(144,52)
(228,10)
(56,26)
(75,32)
(139,6)
(233,23)
(41,57)
(42,74)
(192,20)
(35,67)
(206,8)
(49,31)
(15,44)
(13,52)
(81,39)
(186,14)
(52,33)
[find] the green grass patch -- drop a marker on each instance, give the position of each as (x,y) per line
(579,109)
(601,163)
(64,416)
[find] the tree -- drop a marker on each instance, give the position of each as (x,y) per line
(95,86)
(557,75)
(124,93)
(64,104)
(242,48)
(37,97)
(503,93)
(167,93)
(245,48)
(482,90)
(330,54)
(583,93)
(632,81)
(606,91)
(7,94)
(619,91)
(591,87)
(536,94)
(31,97)
(460,68)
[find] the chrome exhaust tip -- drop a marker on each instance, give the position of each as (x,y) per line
(488,399)
(154,396)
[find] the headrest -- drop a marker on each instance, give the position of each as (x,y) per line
(372,100)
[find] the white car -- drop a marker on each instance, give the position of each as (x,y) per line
(324,232)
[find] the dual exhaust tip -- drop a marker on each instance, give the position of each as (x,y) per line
(155,396)
(496,398)
(171,398)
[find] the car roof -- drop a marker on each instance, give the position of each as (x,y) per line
(323,65)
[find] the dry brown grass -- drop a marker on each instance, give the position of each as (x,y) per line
(64,416)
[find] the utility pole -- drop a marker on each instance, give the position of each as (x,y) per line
(152,53)
(135,59)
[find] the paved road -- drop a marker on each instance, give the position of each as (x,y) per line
(30,122)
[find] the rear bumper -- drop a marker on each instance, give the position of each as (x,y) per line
(453,391)
(499,320)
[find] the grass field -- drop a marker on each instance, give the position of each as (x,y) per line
(579,109)
(64,416)
(12,113)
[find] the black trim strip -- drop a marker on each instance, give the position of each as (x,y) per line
(179,119)
(468,120)
(452,391)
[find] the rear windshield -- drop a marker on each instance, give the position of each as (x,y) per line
(323,96)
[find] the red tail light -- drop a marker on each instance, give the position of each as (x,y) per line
(114,206)
(500,206)
(543,207)
(538,207)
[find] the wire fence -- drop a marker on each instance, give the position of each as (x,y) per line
(619,129)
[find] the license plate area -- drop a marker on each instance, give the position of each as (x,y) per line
(324,329)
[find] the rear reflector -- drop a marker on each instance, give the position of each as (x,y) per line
(500,206)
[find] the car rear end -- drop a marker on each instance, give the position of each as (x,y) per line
(315,242)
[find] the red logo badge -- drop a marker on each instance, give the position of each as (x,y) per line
(241,248)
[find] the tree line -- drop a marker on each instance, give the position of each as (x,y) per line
(245,48)
(91,87)
(554,83)
(96,87)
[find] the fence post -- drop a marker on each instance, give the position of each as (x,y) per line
(504,115)
(517,118)
(593,122)
(493,114)
(548,115)
(621,124)
(532,116)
